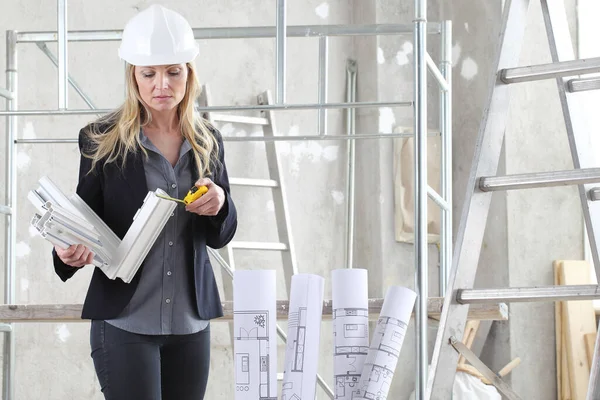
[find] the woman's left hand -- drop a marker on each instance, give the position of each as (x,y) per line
(211,202)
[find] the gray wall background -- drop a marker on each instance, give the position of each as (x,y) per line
(526,230)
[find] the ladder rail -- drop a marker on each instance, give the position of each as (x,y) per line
(476,206)
(575,109)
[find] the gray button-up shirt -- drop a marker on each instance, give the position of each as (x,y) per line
(163,302)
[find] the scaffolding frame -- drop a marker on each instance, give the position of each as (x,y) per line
(281,31)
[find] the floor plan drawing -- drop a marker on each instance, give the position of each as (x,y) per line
(304,327)
(350,329)
(351,345)
(255,346)
(252,354)
(384,351)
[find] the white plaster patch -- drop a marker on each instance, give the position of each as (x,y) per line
(63,333)
(241,133)
(322,10)
(227,130)
(270,205)
(467,26)
(23,160)
(456,50)
(305,151)
(401,58)
(380,56)
(381,199)
(28,131)
(32,231)
(22,250)
(407,47)
(386,120)
(469,69)
(330,153)
(338,196)
(24,284)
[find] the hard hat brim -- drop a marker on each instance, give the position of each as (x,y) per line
(160,59)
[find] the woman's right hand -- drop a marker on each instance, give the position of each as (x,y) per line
(76,256)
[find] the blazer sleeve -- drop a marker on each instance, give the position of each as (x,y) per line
(222,227)
(89,188)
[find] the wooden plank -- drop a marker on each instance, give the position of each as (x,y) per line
(566,383)
(72,312)
(469,336)
(580,318)
(590,343)
(558,322)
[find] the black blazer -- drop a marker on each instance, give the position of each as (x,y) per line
(116,194)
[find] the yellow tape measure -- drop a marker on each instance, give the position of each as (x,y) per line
(194,194)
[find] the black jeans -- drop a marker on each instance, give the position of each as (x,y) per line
(147,367)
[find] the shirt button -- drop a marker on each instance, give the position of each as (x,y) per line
(169,273)
(174,186)
(167,301)
(170,243)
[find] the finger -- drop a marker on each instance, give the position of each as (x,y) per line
(84,257)
(68,252)
(90,258)
(204,182)
(79,252)
(209,208)
(207,197)
(199,209)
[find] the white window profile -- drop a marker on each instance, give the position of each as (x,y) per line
(64,221)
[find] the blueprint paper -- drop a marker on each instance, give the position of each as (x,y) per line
(386,344)
(304,329)
(255,336)
(350,305)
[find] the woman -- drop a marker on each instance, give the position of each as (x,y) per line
(150,338)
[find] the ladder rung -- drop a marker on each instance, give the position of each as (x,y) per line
(5,210)
(253,182)
(552,70)
(259,246)
(528,294)
(583,84)
(540,179)
(239,119)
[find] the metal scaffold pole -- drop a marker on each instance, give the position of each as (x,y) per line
(11,203)
(420,185)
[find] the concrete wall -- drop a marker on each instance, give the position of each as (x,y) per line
(519,233)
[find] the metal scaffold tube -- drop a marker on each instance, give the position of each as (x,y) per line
(350,169)
(446,170)
(323,83)
(420,199)
(63,85)
(11,202)
(275,107)
(280,53)
(243,32)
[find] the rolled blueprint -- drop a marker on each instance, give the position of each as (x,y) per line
(304,329)
(255,340)
(384,352)
(350,305)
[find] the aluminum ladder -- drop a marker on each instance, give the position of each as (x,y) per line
(483,182)
(285,245)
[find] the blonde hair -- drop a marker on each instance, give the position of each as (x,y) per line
(116,135)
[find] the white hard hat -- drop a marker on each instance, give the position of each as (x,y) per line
(158,36)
